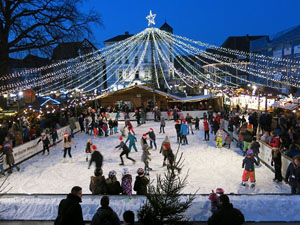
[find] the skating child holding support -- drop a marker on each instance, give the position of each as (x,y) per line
(249,171)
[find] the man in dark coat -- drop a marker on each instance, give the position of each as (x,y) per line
(81,122)
(105,214)
(69,210)
(292,176)
(226,215)
(97,158)
(125,151)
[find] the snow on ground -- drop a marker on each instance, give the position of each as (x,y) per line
(209,167)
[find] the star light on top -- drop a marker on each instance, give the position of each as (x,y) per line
(151,18)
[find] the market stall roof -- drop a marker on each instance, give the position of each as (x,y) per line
(172,98)
(288,106)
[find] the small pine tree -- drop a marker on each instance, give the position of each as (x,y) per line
(165,204)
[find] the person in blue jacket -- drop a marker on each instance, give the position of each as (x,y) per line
(132,139)
(184,131)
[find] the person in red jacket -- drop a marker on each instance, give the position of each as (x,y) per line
(206,129)
(275,140)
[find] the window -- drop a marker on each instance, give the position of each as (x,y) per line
(147,74)
(136,59)
(137,76)
(120,75)
(242,81)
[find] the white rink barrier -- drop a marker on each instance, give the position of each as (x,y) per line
(150,115)
(29,149)
(265,152)
(254,207)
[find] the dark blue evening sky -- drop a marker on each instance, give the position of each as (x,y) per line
(209,21)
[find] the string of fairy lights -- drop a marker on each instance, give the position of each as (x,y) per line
(172,56)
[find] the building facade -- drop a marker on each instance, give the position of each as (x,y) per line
(124,69)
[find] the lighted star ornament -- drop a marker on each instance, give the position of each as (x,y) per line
(151,18)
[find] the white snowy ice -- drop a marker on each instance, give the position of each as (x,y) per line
(208,168)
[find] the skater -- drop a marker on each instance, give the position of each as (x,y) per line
(125,151)
(189,119)
(126,182)
(115,125)
(215,126)
(152,138)
(113,185)
(8,151)
(87,124)
(141,182)
(255,147)
(249,170)
(104,127)
(129,126)
(276,162)
(183,132)
(46,143)
(72,125)
(67,145)
(227,141)
(143,116)
(292,176)
(206,129)
(165,148)
(88,149)
(81,123)
(197,123)
(146,154)
(97,158)
(105,215)
(162,125)
(1,161)
(69,210)
(138,117)
(111,127)
(132,139)
(98,183)
(54,136)
(248,137)
(177,128)
(219,137)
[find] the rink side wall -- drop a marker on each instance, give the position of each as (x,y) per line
(265,154)
(31,148)
(255,207)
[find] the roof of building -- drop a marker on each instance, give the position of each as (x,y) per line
(166,27)
(172,98)
(119,37)
(241,43)
(68,50)
(30,61)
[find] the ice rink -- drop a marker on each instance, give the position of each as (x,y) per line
(209,167)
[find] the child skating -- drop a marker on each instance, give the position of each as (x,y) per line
(67,146)
(132,139)
(227,141)
(219,137)
(206,129)
(249,171)
(152,138)
(46,143)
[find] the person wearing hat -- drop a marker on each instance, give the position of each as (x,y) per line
(184,131)
(98,183)
(146,154)
(125,151)
(105,214)
(152,138)
(1,161)
(249,171)
(165,149)
(97,158)
(126,182)
(67,146)
(177,128)
(132,139)
(141,182)
(46,143)
(88,149)
(113,185)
